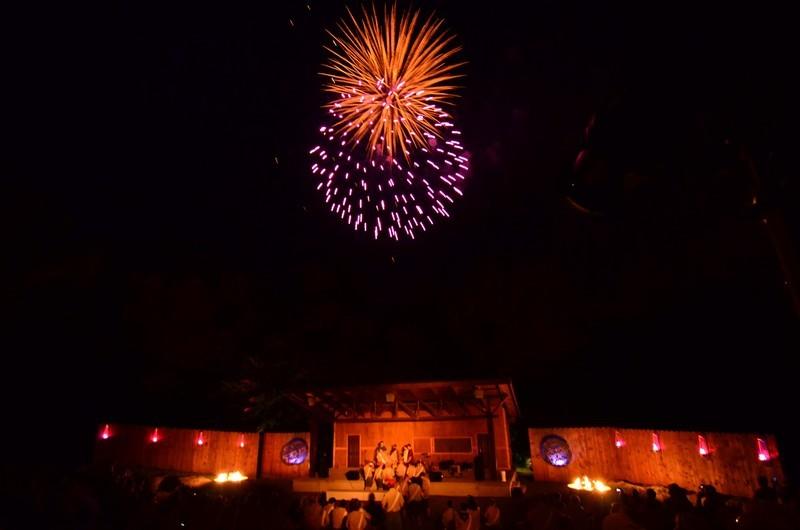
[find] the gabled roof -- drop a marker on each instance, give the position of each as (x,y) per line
(404,401)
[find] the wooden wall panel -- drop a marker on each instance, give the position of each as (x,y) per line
(273,466)
(502,444)
(732,466)
(340,458)
(177,450)
(404,432)
(221,452)
(422,445)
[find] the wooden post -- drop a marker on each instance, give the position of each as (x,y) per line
(313,449)
(491,459)
(260,454)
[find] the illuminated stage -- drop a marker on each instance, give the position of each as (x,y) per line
(349,489)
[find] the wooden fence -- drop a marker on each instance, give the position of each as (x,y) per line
(732,463)
(198,451)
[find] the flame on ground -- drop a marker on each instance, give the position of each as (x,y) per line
(584,484)
(234,476)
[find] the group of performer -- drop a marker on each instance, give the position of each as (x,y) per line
(391,466)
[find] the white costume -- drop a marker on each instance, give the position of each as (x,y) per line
(407,454)
(369,475)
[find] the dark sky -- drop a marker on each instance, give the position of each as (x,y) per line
(160,224)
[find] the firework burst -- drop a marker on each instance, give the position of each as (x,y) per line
(388,77)
(390,80)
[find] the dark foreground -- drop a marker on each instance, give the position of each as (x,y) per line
(125,499)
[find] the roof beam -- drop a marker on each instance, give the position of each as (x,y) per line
(317,411)
(338,406)
(461,404)
(428,408)
(503,399)
(407,409)
(421,418)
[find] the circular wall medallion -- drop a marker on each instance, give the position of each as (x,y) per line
(555,450)
(294,452)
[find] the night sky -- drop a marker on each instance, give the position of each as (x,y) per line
(160,224)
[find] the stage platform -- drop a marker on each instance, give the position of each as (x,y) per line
(449,487)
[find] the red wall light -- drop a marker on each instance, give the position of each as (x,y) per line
(656,443)
(702,445)
(154,437)
(619,441)
(200,440)
(241,441)
(105,434)
(763,450)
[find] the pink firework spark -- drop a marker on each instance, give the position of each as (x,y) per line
(390,162)
(387,197)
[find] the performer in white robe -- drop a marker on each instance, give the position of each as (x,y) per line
(426,485)
(389,474)
(404,486)
(379,470)
(381,455)
(369,475)
(407,454)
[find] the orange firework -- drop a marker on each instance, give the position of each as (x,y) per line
(390,76)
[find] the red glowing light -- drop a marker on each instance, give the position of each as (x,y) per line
(656,446)
(241,441)
(763,450)
(200,439)
(702,445)
(154,438)
(106,434)
(619,441)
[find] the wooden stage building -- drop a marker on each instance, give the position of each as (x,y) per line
(459,431)
(447,423)
(444,421)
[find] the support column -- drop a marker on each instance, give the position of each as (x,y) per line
(491,459)
(260,454)
(313,469)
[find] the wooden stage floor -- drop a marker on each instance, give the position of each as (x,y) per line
(449,487)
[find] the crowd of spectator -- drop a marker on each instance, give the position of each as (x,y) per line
(128,499)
